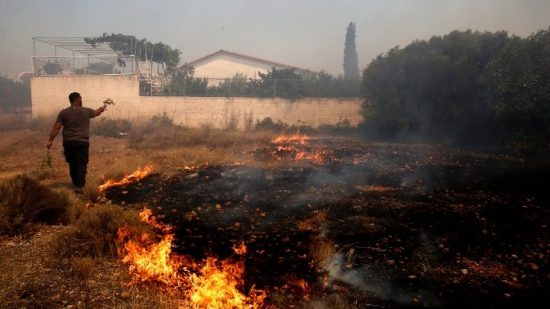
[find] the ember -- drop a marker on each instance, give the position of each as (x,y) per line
(132,178)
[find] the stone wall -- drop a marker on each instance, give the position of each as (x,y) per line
(50,95)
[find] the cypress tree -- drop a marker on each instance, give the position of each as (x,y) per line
(351,66)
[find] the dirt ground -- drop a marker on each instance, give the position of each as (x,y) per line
(363,224)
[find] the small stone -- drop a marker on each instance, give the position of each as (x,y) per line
(534,266)
(464,271)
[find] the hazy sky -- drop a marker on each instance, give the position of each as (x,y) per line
(305,33)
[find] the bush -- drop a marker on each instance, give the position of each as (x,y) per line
(112,127)
(94,232)
(269,125)
(24,202)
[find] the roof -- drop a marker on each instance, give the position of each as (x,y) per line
(242,56)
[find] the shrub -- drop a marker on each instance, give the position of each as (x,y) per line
(94,232)
(24,202)
(112,127)
(268,124)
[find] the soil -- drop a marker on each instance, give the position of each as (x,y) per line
(363,224)
(405,225)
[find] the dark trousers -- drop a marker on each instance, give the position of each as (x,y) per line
(76,154)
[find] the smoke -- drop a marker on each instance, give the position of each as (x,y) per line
(368,280)
(364,280)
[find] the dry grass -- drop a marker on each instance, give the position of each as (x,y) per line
(28,280)
(83,267)
(94,232)
(155,137)
(10,122)
(25,202)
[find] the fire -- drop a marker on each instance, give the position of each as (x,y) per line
(218,287)
(150,260)
(240,249)
(314,157)
(295,138)
(212,285)
(133,177)
(298,147)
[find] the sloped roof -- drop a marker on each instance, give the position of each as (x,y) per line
(242,56)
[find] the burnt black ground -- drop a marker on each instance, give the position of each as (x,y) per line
(415,225)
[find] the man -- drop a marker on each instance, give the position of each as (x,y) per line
(75,121)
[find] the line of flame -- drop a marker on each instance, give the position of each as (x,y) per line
(132,178)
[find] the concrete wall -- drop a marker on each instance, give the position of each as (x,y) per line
(49,96)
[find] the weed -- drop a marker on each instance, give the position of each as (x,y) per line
(24,201)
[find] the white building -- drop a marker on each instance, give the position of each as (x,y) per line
(225,64)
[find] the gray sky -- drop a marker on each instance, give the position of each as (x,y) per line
(305,33)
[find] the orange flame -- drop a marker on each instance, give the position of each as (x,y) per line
(218,287)
(151,260)
(240,249)
(289,144)
(210,287)
(132,178)
(315,157)
(294,138)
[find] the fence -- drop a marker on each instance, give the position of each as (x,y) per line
(84,65)
(241,87)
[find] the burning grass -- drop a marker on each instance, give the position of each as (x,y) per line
(211,285)
(135,176)
(376,223)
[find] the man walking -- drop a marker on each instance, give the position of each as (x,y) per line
(75,121)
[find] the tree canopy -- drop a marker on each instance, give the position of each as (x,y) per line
(468,88)
(141,48)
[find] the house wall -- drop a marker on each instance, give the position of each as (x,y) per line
(226,66)
(50,95)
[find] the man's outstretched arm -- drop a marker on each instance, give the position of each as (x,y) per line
(55,130)
(99,111)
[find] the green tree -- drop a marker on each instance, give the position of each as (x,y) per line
(517,86)
(183,83)
(432,90)
(238,85)
(52,68)
(282,83)
(13,95)
(351,65)
(162,53)
(100,68)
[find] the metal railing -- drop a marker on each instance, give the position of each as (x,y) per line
(272,88)
(84,65)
